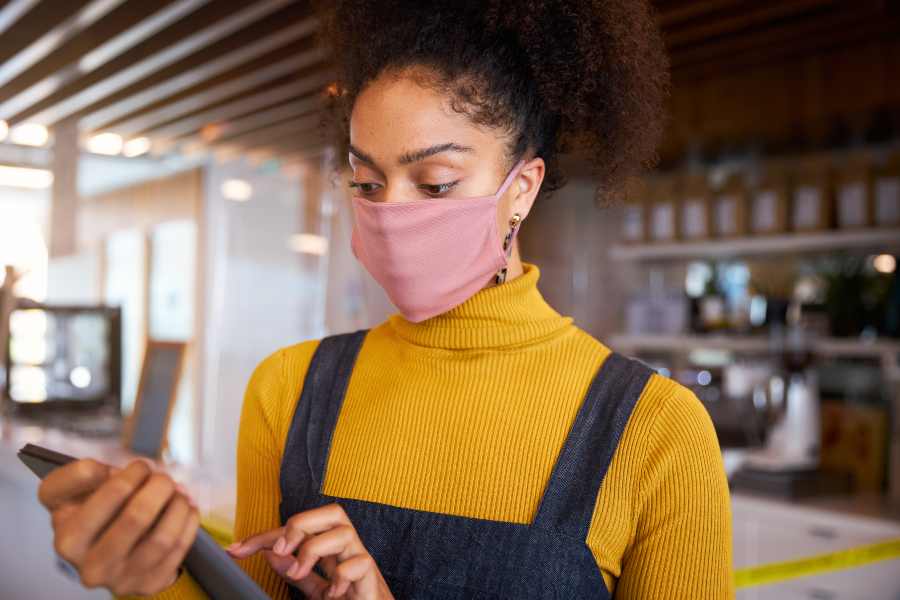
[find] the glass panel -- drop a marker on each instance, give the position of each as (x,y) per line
(125,277)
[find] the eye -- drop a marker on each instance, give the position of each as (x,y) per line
(438,188)
(364,187)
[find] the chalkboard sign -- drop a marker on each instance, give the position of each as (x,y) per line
(149,424)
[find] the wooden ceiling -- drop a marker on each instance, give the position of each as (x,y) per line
(708,38)
(244,76)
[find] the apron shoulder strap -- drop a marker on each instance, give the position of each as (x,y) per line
(571,493)
(315,416)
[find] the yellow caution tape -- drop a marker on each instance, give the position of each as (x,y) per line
(221,530)
(815,565)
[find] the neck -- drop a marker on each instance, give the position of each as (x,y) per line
(510,314)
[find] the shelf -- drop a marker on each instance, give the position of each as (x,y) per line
(825,241)
(886,350)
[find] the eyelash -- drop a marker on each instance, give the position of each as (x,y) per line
(357,184)
(442,188)
(432,190)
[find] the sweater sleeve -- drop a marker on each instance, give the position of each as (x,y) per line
(269,403)
(184,588)
(682,546)
(258,463)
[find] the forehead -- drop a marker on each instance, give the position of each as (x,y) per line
(395,114)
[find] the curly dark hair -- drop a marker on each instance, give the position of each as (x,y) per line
(582,77)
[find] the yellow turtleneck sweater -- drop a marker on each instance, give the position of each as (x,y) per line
(489,391)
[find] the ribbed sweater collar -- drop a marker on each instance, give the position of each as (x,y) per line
(510,314)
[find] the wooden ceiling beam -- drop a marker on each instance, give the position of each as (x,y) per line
(273,133)
(58,36)
(224,71)
(864,32)
(94,93)
(82,40)
(262,29)
(771,38)
(744,22)
(294,142)
(298,89)
(75,64)
(303,155)
(291,68)
(671,14)
(237,108)
(27,21)
(287,155)
(298,140)
(208,12)
(13,10)
(225,131)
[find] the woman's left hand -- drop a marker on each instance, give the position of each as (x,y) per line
(325,535)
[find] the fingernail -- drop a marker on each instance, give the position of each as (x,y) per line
(294,570)
(279,546)
(233,546)
(182,490)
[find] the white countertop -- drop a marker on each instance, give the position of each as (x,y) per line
(214,495)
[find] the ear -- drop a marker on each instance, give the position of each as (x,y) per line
(528,183)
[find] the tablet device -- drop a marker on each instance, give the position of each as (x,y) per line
(209,565)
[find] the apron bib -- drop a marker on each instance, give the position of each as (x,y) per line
(433,556)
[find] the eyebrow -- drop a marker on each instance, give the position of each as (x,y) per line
(415,155)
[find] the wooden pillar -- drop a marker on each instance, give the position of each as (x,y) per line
(64,199)
(7,302)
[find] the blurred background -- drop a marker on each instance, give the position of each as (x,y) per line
(163,179)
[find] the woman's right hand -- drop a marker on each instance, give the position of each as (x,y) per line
(127,530)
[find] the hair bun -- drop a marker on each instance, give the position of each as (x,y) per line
(587,77)
(601,65)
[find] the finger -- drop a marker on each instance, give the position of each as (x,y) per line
(79,532)
(359,571)
(70,481)
(339,542)
(136,519)
(280,564)
(159,541)
(62,514)
(310,522)
(160,576)
(312,586)
(328,565)
(181,489)
(109,555)
(255,543)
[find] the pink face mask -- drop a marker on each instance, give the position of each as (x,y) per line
(434,254)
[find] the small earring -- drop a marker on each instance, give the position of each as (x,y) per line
(513,228)
(514,223)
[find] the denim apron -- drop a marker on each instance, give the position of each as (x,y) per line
(433,556)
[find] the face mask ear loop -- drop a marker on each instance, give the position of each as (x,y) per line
(514,222)
(509,178)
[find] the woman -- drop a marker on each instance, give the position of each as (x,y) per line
(477,444)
